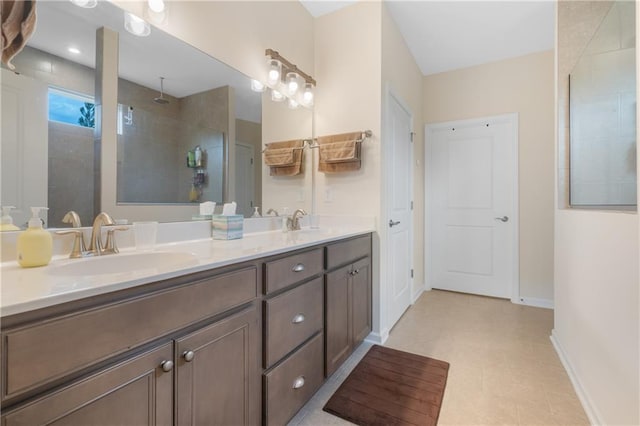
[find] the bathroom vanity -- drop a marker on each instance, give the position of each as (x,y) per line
(244,342)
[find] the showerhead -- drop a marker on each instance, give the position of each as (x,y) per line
(160,99)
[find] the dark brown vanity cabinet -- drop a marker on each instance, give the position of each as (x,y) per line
(187,354)
(348,299)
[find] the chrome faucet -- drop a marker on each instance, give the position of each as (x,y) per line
(293,222)
(96,247)
(274,211)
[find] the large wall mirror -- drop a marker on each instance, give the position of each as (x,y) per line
(174,101)
(603,169)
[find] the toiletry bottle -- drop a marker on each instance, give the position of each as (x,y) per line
(6,222)
(285,217)
(34,245)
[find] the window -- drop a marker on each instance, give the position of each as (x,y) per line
(71,108)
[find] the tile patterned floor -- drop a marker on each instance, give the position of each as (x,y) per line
(504,370)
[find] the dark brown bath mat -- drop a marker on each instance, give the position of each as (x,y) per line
(391,387)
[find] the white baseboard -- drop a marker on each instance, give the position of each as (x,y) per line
(417,294)
(589,409)
(378,338)
(534,301)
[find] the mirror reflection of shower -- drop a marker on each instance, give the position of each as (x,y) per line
(161,99)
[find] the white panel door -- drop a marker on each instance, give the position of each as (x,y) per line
(400,251)
(245,192)
(24,154)
(473,209)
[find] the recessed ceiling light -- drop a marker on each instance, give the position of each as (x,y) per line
(156,5)
(73,50)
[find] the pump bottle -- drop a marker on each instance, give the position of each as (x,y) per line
(6,222)
(35,245)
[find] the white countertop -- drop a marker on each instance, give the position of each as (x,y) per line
(26,289)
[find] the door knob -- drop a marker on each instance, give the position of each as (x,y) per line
(392,223)
(502,219)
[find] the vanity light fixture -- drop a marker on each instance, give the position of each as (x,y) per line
(135,25)
(292,83)
(257,86)
(292,104)
(307,95)
(87,4)
(275,69)
(277,96)
(285,79)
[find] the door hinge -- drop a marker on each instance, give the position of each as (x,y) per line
(252,161)
(412,273)
(412,205)
(412,134)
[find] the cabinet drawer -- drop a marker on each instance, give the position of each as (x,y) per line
(290,385)
(291,269)
(347,251)
(291,318)
(41,353)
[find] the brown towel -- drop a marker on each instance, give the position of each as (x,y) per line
(18,23)
(284,158)
(339,153)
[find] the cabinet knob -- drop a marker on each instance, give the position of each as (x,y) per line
(298,268)
(298,319)
(188,355)
(166,366)
(356,271)
(298,382)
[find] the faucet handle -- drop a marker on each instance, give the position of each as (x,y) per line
(79,249)
(110,246)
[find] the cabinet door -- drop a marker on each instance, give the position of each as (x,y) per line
(338,331)
(361,300)
(135,392)
(218,381)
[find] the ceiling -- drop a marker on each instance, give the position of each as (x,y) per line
(448,35)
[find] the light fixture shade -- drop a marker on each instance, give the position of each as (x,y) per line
(275,70)
(308,95)
(292,103)
(277,96)
(257,86)
(87,4)
(135,25)
(156,5)
(291,82)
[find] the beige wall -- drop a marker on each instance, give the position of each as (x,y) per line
(596,330)
(401,75)
(348,70)
(523,85)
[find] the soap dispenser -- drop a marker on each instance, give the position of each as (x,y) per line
(6,222)
(35,245)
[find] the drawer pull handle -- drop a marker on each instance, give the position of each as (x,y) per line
(298,382)
(298,319)
(298,268)
(166,366)
(188,355)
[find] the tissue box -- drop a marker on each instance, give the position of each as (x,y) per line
(226,227)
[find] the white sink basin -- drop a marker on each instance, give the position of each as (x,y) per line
(150,262)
